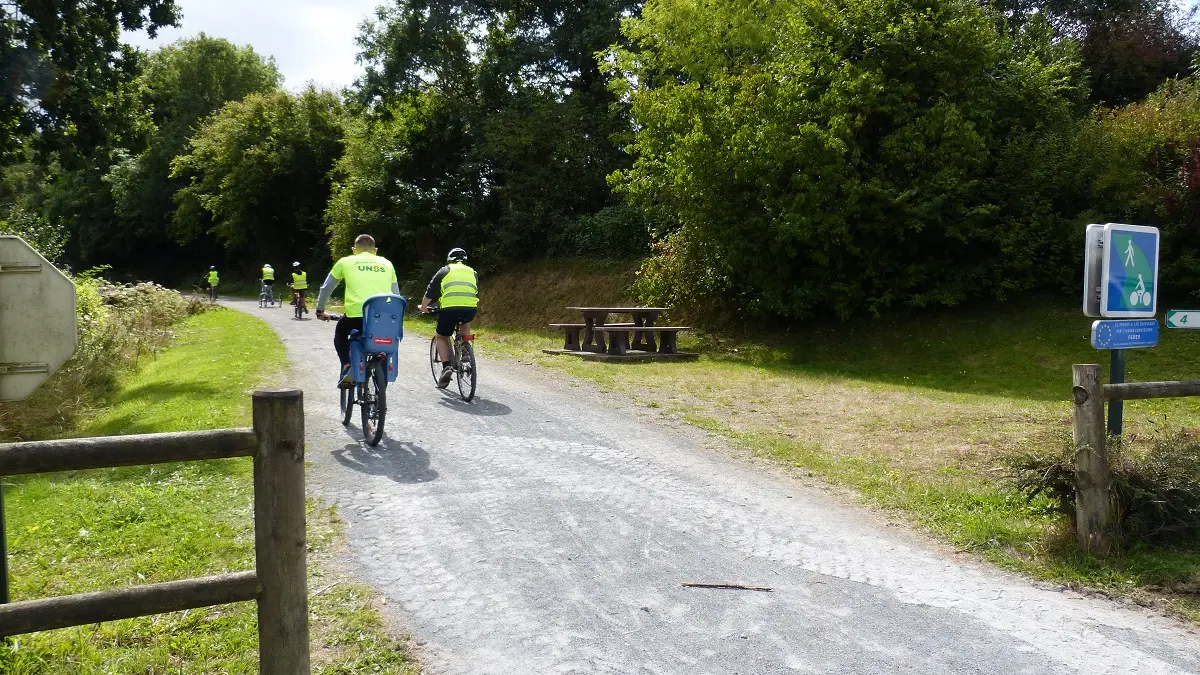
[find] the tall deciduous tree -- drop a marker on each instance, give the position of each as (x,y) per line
(61,62)
(259,171)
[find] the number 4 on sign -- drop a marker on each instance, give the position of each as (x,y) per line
(1183,318)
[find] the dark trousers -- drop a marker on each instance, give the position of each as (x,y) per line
(341,336)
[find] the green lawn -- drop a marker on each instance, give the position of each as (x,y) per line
(96,530)
(915,414)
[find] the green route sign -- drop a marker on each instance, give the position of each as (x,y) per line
(1183,318)
(1121,271)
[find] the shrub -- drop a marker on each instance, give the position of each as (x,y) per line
(118,324)
(1155,491)
(842,156)
(1145,164)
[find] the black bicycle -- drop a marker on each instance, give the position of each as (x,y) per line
(299,301)
(462,361)
(368,391)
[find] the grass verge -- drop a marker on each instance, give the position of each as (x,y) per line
(95,530)
(914,415)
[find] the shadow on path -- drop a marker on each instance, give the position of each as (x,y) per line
(480,407)
(398,460)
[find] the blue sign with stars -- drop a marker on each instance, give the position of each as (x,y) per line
(1132,334)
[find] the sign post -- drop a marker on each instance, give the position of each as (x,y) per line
(37,335)
(1120,273)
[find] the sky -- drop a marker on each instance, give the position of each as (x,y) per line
(311,40)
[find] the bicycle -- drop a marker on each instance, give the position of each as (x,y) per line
(212,293)
(300,302)
(266,295)
(373,353)
(462,361)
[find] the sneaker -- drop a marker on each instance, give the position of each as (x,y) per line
(447,373)
(346,382)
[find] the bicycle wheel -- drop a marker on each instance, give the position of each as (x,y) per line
(435,366)
(299,309)
(466,370)
(374,405)
(347,404)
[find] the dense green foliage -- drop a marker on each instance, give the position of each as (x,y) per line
(1144,167)
(259,171)
(62,67)
(783,159)
(485,123)
(848,155)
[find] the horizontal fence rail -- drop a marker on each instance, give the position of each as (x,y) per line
(1137,390)
(77,454)
(279,584)
(28,616)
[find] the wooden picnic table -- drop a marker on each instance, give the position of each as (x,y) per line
(643,317)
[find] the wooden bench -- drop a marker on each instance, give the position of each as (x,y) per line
(618,334)
(572,331)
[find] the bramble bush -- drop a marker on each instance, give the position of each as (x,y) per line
(1155,490)
(817,156)
(118,325)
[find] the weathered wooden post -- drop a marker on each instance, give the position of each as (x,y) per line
(1091,459)
(279,534)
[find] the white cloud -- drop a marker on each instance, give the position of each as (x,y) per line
(311,40)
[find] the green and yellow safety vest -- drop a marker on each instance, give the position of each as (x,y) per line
(299,281)
(268,274)
(460,287)
(213,278)
(365,274)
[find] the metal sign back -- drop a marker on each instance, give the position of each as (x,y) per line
(37,319)
(1093,268)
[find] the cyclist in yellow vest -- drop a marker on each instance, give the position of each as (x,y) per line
(299,284)
(268,280)
(365,274)
(213,279)
(455,288)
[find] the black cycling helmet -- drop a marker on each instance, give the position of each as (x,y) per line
(456,254)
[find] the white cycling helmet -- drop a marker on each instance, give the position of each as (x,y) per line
(296,264)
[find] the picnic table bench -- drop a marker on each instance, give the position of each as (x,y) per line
(597,336)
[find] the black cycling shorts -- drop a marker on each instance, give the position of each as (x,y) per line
(450,317)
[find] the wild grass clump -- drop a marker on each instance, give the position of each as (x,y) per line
(1155,489)
(118,325)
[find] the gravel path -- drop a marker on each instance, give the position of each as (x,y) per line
(547,529)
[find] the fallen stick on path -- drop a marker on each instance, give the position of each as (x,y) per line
(739,587)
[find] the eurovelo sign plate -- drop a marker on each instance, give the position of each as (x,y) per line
(1129,334)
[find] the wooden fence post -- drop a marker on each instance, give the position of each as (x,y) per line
(1091,459)
(279,534)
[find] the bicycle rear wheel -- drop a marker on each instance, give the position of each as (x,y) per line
(374,404)
(299,309)
(347,405)
(466,370)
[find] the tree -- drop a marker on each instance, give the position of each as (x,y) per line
(260,170)
(519,89)
(61,62)
(1129,47)
(841,156)
(182,85)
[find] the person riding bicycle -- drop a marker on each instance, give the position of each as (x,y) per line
(268,281)
(299,284)
(213,280)
(455,288)
(365,274)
